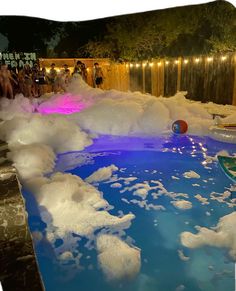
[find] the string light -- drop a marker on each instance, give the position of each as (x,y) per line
(159,63)
(209,59)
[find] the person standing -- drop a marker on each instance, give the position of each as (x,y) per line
(52,76)
(42,83)
(5,79)
(77,69)
(84,72)
(15,84)
(21,80)
(28,82)
(35,78)
(98,76)
(67,77)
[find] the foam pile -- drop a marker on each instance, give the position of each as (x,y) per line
(20,106)
(125,113)
(101,174)
(138,114)
(63,104)
(71,205)
(56,131)
(123,264)
(191,174)
(33,161)
(222,236)
(182,204)
(67,204)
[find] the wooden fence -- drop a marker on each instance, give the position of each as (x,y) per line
(211,78)
(116,75)
(205,78)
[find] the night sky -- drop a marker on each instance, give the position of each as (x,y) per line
(207,22)
(29,34)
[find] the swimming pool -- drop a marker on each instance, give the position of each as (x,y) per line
(172,184)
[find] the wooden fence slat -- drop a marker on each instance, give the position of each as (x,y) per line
(179,74)
(234,89)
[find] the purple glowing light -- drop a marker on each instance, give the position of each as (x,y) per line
(63,104)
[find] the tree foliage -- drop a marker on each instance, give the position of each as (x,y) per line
(181,31)
(27,33)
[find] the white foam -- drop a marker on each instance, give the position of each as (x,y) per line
(37,236)
(182,204)
(76,206)
(191,174)
(203,200)
(116,185)
(66,256)
(175,178)
(210,159)
(182,256)
(101,174)
(58,132)
(117,259)
(123,113)
(33,160)
(141,192)
(19,106)
(222,236)
(223,198)
(147,206)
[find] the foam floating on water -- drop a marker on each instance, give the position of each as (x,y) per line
(117,259)
(33,161)
(102,174)
(222,236)
(76,206)
(191,174)
(56,131)
(182,204)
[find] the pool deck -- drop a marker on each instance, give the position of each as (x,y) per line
(18,266)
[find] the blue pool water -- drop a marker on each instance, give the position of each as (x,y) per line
(155,232)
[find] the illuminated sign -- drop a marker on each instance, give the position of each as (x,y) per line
(18,59)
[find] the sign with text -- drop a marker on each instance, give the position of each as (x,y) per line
(18,59)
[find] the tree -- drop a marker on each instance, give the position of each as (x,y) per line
(180,31)
(27,33)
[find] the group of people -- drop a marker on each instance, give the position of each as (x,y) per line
(34,82)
